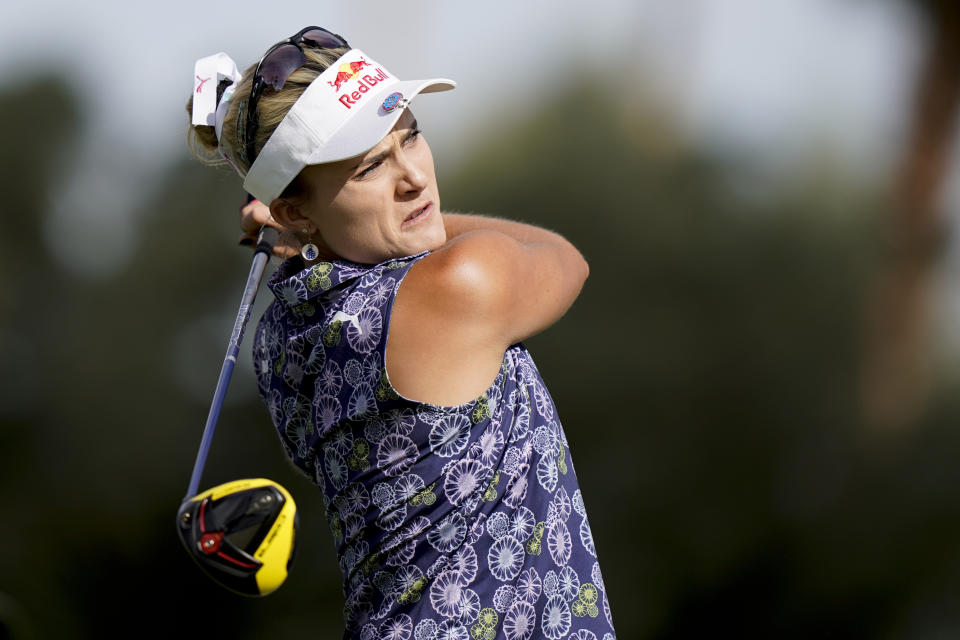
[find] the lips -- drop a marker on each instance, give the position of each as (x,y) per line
(418,214)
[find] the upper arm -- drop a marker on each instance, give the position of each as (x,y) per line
(497,288)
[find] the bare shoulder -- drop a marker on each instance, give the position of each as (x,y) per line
(463,276)
(441,348)
(459,308)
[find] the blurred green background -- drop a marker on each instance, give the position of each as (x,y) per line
(758,382)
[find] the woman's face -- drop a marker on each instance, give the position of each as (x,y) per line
(383,204)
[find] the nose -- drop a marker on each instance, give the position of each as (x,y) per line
(411,176)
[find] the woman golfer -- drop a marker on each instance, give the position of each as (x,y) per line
(390,360)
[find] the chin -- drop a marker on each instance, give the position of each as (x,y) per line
(436,239)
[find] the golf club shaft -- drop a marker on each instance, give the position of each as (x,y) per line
(268,237)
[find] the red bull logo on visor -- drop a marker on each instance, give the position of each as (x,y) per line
(347,71)
(364,83)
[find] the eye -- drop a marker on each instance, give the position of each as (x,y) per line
(369,170)
(413,137)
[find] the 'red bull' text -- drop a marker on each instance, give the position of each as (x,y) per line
(364,84)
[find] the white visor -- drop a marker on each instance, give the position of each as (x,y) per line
(345,112)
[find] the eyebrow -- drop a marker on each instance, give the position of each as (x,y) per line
(380,156)
(371,160)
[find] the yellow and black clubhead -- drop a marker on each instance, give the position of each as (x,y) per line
(242,534)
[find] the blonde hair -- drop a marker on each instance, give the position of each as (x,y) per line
(271,108)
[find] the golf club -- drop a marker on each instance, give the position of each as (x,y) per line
(241,533)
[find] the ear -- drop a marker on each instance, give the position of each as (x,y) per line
(289,214)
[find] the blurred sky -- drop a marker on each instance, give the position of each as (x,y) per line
(775,78)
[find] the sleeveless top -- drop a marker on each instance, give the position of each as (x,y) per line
(460,522)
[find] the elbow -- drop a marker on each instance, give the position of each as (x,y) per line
(579,265)
(574,266)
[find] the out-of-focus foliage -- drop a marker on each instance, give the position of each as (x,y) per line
(706,380)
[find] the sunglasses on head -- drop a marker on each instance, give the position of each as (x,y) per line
(276,66)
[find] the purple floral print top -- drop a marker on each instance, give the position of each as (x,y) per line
(460,522)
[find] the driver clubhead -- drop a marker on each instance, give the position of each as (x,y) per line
(242,534)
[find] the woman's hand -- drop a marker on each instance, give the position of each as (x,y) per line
(253,216)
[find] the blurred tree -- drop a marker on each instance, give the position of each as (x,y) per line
(39,120)
(897,372)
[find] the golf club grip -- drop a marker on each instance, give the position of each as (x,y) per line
(266,240)
(268,237)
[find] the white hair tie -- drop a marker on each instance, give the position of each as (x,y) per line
(207,110)
(207,74)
